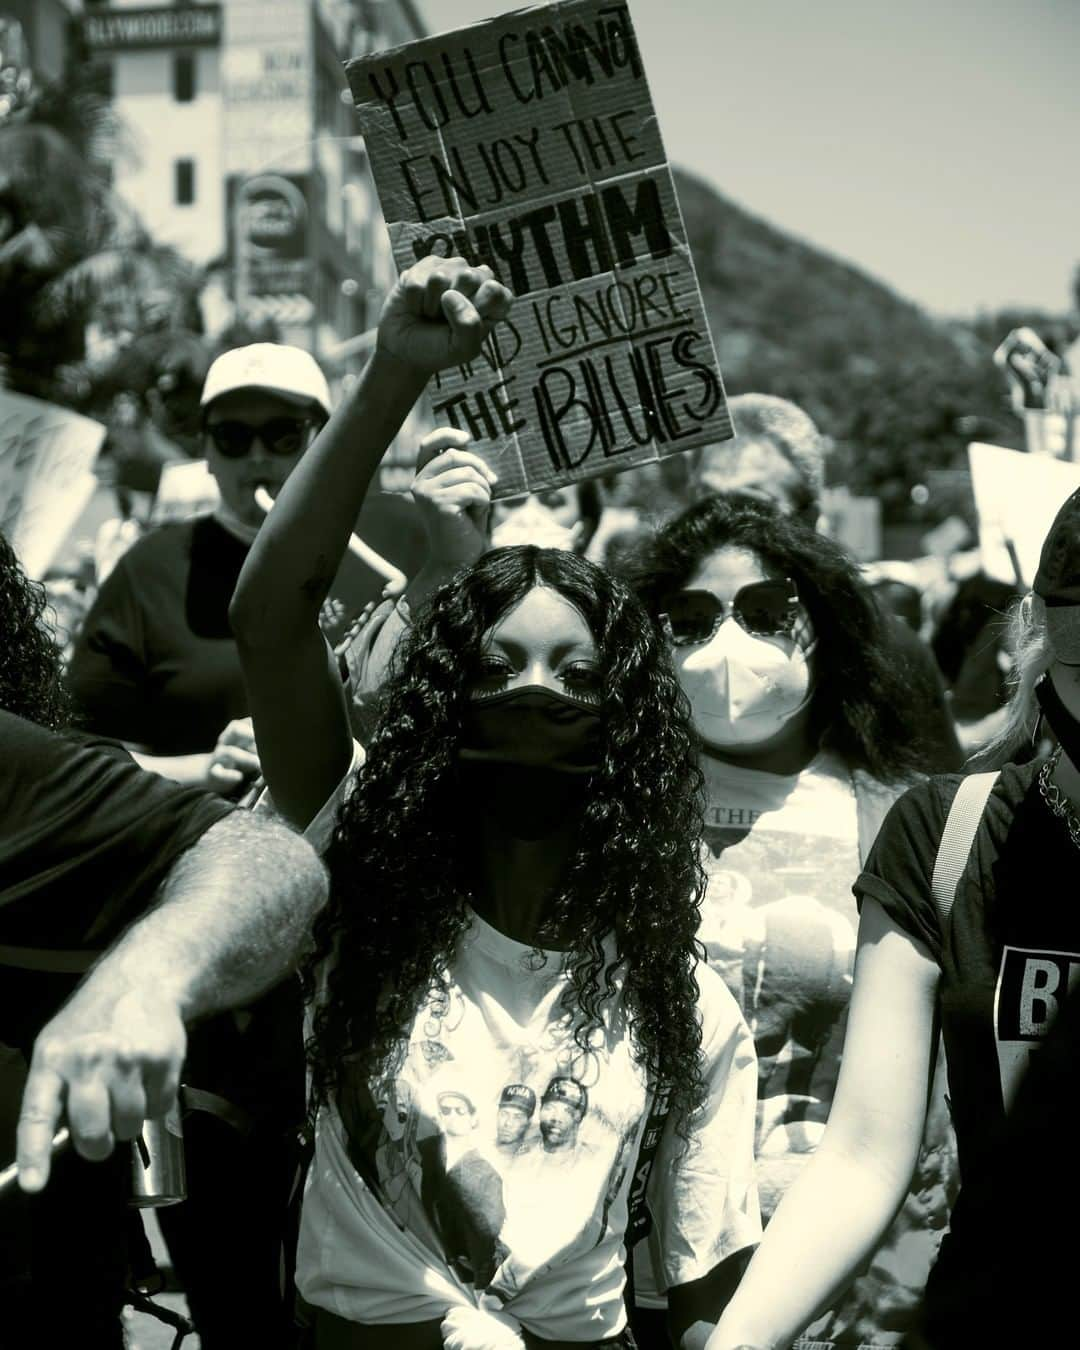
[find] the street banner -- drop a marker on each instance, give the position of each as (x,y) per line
(1017,496)
(47,455)
(530,143)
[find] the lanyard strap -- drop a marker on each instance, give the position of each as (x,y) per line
(639,1220)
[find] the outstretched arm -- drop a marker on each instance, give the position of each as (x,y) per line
(234,915)
(437,315)
(836,1212)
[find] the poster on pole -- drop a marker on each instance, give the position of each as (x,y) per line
(1017,496)
(47,454)
(529,142)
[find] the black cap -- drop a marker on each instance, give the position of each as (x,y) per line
(570,1091)
(517,1094)
(1058,580)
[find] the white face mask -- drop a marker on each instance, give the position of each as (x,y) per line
(743,690)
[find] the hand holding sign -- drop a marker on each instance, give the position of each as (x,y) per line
(439,313)
(528,144)
(452,488)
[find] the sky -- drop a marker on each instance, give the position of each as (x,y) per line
(933,143)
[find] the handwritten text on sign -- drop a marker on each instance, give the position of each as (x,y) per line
(530,143)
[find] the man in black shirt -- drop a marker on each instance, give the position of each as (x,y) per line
(222,904)
(88,843)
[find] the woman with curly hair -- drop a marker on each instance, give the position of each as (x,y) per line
(506,979)
(803,715)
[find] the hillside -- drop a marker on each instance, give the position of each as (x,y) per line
(900,392)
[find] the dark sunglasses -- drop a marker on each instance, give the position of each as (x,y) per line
(281,436)
(764,608)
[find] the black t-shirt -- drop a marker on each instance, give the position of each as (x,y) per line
(156,664)
(1012,944)
(86,838)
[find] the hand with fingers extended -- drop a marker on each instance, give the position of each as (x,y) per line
(439,313)
(105,1063)
(452,490)
(235,759)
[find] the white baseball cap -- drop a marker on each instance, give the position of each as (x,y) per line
(290,372)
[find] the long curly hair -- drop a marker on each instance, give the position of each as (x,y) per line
(400,856)
(31,678)
(862,707)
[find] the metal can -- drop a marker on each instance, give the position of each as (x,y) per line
(157,1162)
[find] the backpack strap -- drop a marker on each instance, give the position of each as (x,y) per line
(954,847)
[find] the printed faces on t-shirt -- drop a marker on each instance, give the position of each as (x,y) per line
(504,1146)
(779,926)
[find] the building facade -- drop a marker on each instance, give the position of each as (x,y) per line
(247,155)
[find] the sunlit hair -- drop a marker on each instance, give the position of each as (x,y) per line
(863,707)
(758,417)
(1029,642)
(31,680)
(404,852)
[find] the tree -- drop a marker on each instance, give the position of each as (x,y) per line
(72,254)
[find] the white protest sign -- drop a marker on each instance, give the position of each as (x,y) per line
(947,538)
(1017,496)
(184,490)
(530,143)
(46,457)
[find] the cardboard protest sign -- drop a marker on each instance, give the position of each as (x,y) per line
(46,457)
(1017,496)
(530,143)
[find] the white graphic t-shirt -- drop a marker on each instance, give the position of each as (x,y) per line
(779,926)
(497,1159)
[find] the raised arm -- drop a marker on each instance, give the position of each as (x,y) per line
(437,315)
(234,916)
(836,1212)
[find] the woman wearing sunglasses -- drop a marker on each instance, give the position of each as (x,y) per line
(805,735)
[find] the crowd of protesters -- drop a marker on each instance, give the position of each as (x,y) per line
(674,985)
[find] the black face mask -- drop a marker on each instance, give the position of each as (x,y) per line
(1062,723)
(533,727)
(525,803)
(526,757)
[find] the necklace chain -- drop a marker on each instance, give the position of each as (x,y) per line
(1056,799)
